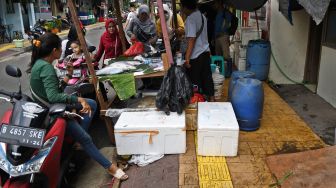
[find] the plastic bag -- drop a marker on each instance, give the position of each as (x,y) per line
(197,97)
(136,49)
(175,91)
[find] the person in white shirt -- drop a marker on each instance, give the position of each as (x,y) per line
(197,56)
(131,15)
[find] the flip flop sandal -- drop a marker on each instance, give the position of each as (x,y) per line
(120,174)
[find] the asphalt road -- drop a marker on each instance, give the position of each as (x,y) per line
(97,130)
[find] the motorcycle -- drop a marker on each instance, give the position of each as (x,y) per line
(37,30)
(64,23)
(34,151)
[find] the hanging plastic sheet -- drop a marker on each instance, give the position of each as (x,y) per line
(284,8)
(316,8)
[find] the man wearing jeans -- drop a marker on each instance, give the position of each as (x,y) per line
(197,57)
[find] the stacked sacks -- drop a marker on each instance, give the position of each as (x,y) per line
(218,80)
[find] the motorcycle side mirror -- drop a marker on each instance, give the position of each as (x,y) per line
(91,49)
(57,109)
(13,71)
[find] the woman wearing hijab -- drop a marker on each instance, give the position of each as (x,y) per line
(142,28)
(169,20)
(110,42)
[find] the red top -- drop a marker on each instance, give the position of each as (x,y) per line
(109,43)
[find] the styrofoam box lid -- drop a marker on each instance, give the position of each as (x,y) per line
(151,119)
(216,116)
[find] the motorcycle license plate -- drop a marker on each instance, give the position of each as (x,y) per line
(76,74)
(23,136)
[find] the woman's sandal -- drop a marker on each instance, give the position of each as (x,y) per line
(120,174)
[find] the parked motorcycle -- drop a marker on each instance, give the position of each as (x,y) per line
(37,30)
(34,151)
(63,22)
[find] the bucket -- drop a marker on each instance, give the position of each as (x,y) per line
(258,58)
(19,43)
(247,102)
(235,76)
(213,68)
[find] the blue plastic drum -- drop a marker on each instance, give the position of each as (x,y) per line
(248,101)
(235,76)
(258,58)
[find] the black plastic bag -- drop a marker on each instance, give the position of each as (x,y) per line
(175,91)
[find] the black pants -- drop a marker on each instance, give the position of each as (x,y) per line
(200,73)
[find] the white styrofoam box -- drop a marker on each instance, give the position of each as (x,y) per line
(218,129)
(249,33)
(150,132)
(242,64)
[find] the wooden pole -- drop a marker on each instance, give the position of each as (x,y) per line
(175,24)
(120,26)
(103,105)
(165,32)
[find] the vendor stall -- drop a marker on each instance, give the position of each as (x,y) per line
(141,68)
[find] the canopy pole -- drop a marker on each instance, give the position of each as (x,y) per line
(120,26)
(103,105)
(88,59)
(165,32)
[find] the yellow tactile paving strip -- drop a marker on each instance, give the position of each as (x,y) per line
(213,172)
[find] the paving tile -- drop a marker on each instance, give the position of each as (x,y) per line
(255,144)
(216,184)
(190,179)
(188,159)
(244,178)
(258,151)
(240,167)
(189,186)
(246,158)
(232,159)
(265,178)
(186,168)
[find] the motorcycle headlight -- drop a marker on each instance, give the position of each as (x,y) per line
(31,166)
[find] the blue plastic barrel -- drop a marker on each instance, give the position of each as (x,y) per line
(258,58)
(235,76)
(247,101)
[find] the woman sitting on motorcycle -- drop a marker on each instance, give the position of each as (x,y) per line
(45,89)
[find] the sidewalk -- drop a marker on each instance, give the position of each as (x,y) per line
(9,49)
(282,131)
